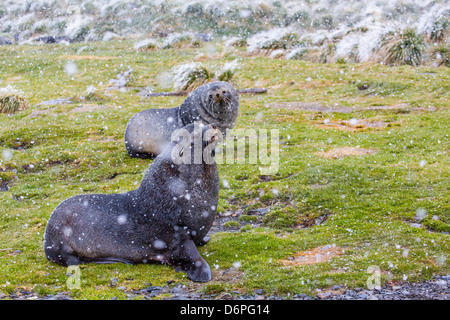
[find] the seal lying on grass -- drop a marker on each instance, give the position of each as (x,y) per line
(149,131)
(162,220)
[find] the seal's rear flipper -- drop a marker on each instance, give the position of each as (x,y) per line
(140,155)
(109,260)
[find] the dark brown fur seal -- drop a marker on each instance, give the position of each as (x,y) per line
(149,131)
(163,220)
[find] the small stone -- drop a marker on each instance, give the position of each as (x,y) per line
(324,295)
(176,290)
(263,211)
(259,291)
(225,296)
(415,225)
(350,293)
(441,283)
(362,295)
(114,282)
(122,288)
(336,287)
(153,288)
(2,295)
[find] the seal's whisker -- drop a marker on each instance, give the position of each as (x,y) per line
(227,100)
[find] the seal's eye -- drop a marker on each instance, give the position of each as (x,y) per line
(224,92)
(181,152)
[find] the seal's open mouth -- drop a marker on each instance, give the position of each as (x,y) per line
(213,133)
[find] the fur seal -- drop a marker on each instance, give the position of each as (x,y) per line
(162,220)
(148,132)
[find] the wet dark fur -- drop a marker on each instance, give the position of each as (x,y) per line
(149,131)
(155,222)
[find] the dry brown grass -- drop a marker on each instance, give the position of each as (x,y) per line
(342,152)
(313,256)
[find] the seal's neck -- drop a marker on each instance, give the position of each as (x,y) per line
(188,112)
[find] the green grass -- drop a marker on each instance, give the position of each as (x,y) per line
(369,201)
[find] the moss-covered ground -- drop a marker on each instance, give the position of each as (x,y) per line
(387,208)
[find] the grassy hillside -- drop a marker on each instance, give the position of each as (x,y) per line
(364,168)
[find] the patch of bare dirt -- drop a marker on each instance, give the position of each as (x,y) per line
(313,256)
(311,106)
(77,57)
(37,113)
(319,107)
(341,152)
(352,124)
(394,107)
(88,108)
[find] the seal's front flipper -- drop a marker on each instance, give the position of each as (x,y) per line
(190,261)
(202,242)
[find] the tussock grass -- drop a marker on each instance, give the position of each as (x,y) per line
(12,103)
(442,55)
(404,47)
(12,100)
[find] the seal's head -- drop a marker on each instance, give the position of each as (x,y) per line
(194,144)
(188,163)
(215,102)
(220,100)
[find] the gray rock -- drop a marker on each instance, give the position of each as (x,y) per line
(406,292)
(324,295)
(53,39)
(203,36)
(335,287)
(5,40)
(441,283)
(4,187)
(113,282)
(56,101)
(258,291)
(350,293)
(362,295)
(153,288)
